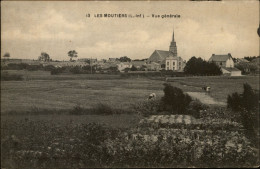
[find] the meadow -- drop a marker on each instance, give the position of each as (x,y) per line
(40,90)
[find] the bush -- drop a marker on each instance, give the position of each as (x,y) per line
(247,105)
(49,68)
(146,108)
(34,67)
(17,66)
(174,100)
(77,110)
(133,68)
(56,71)
(234,101)
(8,77)
(75,70)
(249,100)
(103,109)
(195,107)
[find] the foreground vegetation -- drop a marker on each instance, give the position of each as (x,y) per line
(92,145)
(217,137)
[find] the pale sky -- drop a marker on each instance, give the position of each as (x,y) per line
(204,28)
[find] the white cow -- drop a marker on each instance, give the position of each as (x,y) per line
(152,96)
(206,88)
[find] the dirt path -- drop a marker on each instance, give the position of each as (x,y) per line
(205,98)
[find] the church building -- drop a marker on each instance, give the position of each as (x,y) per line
(169,60)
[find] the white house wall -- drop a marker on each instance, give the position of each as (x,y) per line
(236,73)
(173,65)
(230,63)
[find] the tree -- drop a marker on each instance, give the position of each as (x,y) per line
(88,61)
(133,68)
(113,69)
(72,53)
(247,67)
(124,59)
(44,57)
(143,68)
(197,66)
(247,106)
(6,55)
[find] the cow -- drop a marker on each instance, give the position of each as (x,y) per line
(206,88)
(152,96)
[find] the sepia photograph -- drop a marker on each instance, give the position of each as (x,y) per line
(130,84)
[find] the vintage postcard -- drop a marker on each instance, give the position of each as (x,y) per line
(127,84)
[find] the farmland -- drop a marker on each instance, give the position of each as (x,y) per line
(60,140)
(44,91)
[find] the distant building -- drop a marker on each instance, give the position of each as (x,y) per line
(168,60)
(90,60)
(174,63)
(112,59)
(232,71)
(123,65)
(138,63)
(153,66)
(240,60)
(222,60)
(226,63)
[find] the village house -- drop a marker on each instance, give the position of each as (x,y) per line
(240,60)
(88,60)
(112,59)
(153,66)
(226,63)
(168,60)
(123,65)
(138,63)
(222,60)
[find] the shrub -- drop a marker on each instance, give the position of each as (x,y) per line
(17,66)
(8,77)
(175,100)
(146,108)
(249,100)
(77,110)
(75,70)
(49,68)
(234,101)
(103,109)
(56,71)
(195,107)
(133,68)
(34,67)
(247,105)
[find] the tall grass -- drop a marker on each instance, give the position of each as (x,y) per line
(5,76)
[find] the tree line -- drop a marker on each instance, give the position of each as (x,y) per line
(198,66)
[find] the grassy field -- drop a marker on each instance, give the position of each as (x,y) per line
(44,91)
(62,94)
(221,86)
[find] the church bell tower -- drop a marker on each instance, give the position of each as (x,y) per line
(173,47)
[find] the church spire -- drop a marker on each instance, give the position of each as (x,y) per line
(173,35)
(173,46)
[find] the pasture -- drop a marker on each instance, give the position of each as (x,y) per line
(40,90)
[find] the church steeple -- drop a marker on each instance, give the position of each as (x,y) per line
(173,47)
(173,35)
